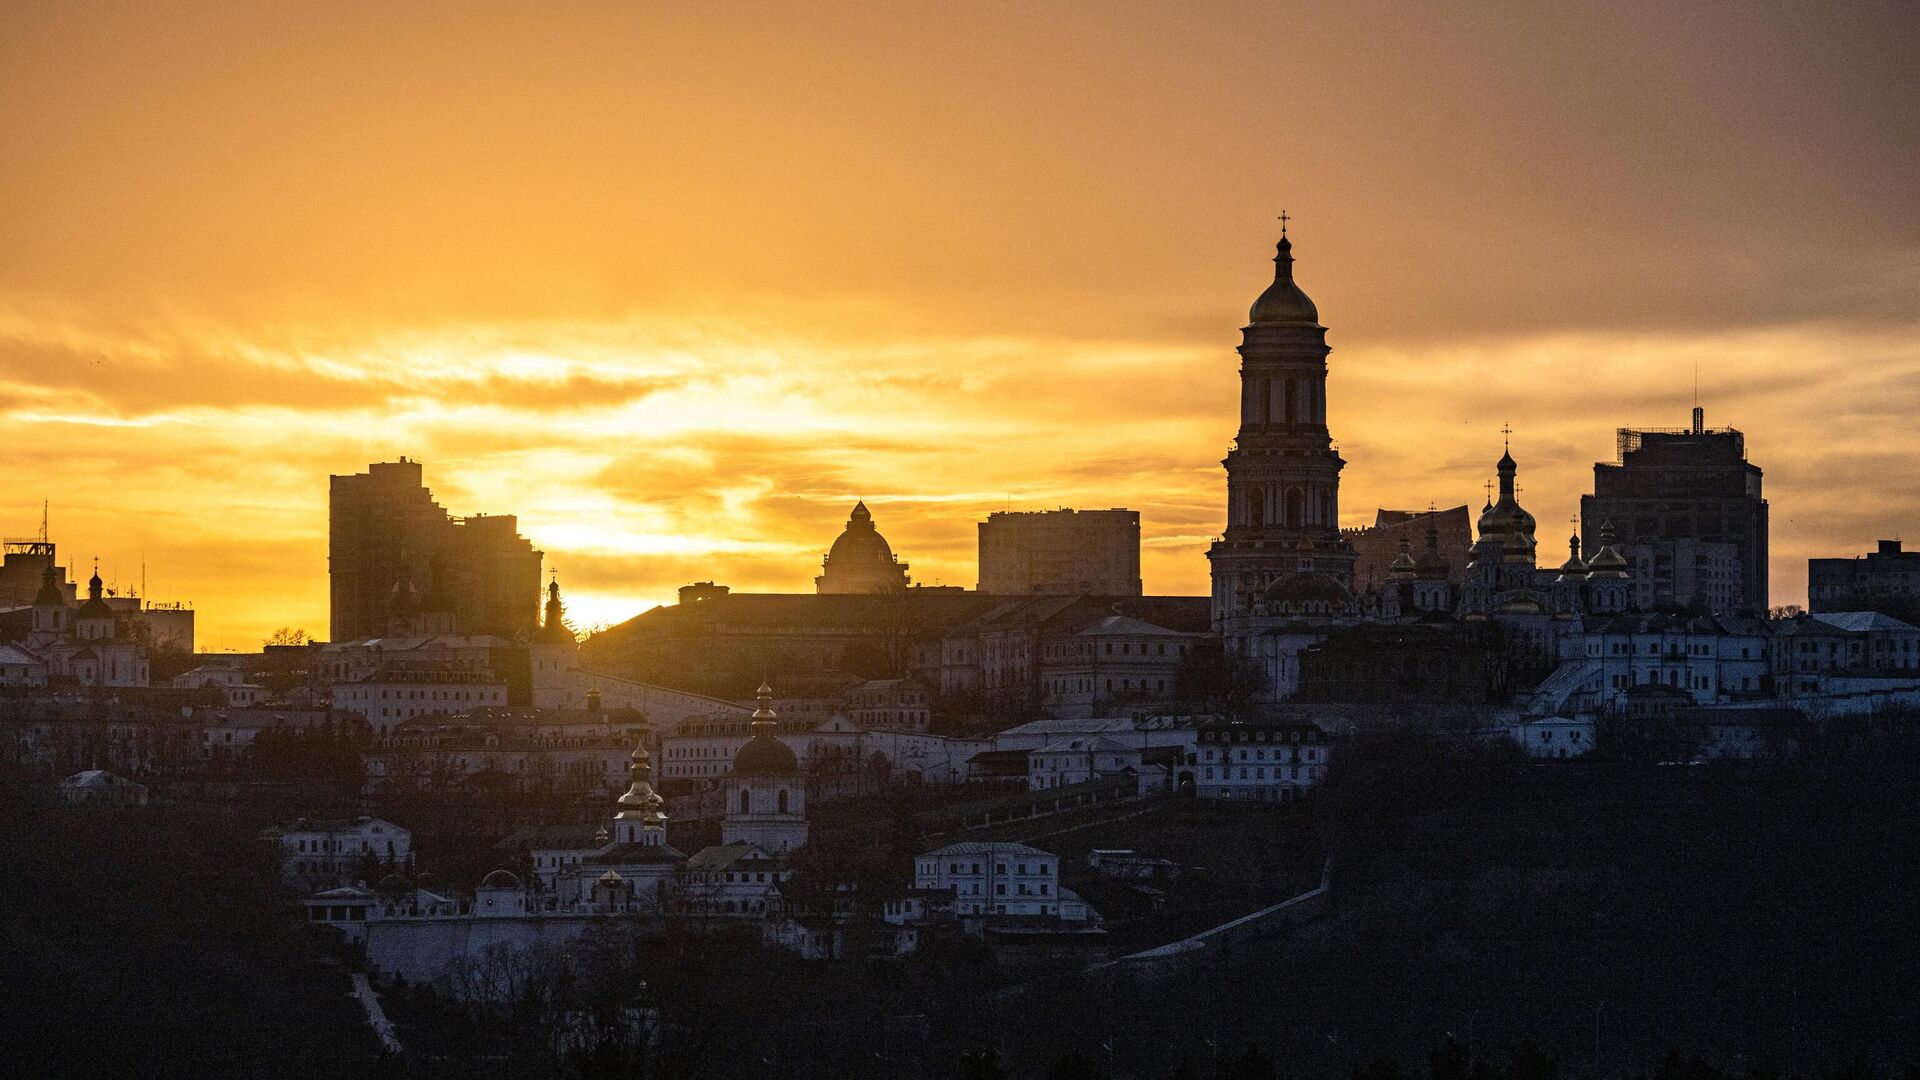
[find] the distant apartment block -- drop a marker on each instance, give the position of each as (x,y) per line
(1886,580)
(1683,484)
(1694,575)
(400,564)
(1061,552)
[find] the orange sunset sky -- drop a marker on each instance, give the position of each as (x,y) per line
(677,283)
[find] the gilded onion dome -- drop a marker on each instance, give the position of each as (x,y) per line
(764,754)
(641,801)
(1607,562)
(1575,567)
(1403,564)
(1506,520)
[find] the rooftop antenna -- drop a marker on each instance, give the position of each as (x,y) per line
(43,520)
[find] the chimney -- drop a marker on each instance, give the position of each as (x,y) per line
(1889,547)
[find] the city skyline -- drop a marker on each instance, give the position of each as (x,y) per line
(681,333)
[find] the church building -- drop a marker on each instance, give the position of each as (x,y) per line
(860,560)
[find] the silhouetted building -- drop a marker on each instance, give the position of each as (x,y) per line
(1886,580)
(1413,663)
(1687,484)
(23,568)
(400,564)
(1694,575)
(1283,473)
(1376,546)
(860,560)
(1072,552)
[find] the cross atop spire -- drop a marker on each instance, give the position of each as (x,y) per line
(1283,224)
(1506,436)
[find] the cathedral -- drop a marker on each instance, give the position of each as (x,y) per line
(83,644)
(1283,572)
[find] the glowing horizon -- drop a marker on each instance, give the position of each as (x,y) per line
(677,288)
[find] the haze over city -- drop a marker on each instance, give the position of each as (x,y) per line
(678,286)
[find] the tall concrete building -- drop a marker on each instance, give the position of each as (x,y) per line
(400,564)
(1684,484)
(1061,553)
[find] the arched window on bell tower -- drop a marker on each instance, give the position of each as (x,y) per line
(1266,401)
(746,800)
(1293,403)
(1256,507)
(1293,517)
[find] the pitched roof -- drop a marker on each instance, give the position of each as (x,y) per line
(632,854)
(1126,624)
(1862,621)
(725,856)
(1097,744)
(985,847)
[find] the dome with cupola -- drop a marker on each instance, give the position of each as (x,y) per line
(1284,304)
(861,560)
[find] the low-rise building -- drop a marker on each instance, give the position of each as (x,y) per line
(897,704)
(98,787)
(999,879)
(394,695)
(318,853)
(1555,736)
(1074,761)
(1264,760)
(1109,663)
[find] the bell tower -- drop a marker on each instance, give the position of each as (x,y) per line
(1283,472)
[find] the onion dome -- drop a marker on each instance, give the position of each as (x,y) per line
(1507,521)
(1607,562)
(1403,565)
(95,607)
(764,754)
(500,879)
(1432,566)
(49,594)
(641,801)
(1283,304)
(1575,567)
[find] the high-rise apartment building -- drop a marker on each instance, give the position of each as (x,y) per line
(400,564)
(1061,553)
(1684,484)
